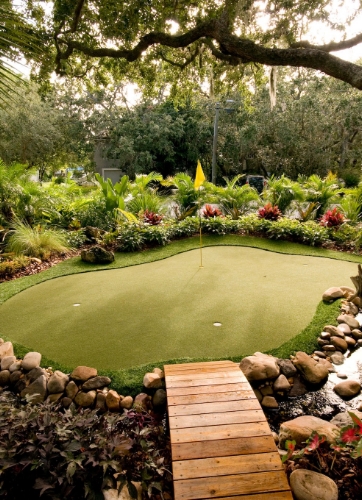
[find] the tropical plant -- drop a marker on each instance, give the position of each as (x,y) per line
(144,201)
(351,208)
(186,197)
(36,241)
(306,211)
(332,218)
(114,194)
(9,265)
(151,218)
(269,212)
(281,191)
(209,211)
(322,191)
(236,200)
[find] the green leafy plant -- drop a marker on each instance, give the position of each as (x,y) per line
(10,265)
(332,218)
(130,238)
(269,212)
(36,241)
(281,191)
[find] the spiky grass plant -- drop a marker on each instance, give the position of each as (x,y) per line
(36,241)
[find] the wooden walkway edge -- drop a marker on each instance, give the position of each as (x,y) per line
(222,446)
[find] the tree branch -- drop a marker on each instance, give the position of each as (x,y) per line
(184,64)
(329,47)
(233,47)
(77,16)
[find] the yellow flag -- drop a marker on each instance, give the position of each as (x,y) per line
(200,176)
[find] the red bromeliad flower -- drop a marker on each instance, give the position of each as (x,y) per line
(350,435)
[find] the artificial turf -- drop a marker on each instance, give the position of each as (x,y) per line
(167,309)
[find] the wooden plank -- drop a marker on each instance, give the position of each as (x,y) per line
(207,389)
(224,448)
(201,376)
(222,466)
(278,495)
(206,369)
(190,382)
(214,407)
(213,433)
(211,419)
(221,486)
(200,364)
(191,399)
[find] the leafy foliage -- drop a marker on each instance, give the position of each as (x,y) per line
(53,454)
(332,218)
(208,211)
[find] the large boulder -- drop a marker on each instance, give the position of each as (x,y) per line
(57,382)
(300,429)
(309,485)
(259,367)
(332,294)
(85,399)
(31,360)
(37,390)
(96,383)
(347,389)
(97,255)
(83,373)
(311,370)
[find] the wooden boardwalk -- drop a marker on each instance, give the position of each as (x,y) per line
(221,443)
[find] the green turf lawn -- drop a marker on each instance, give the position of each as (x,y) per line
(164,309)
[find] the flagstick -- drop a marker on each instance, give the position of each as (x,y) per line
(200,234)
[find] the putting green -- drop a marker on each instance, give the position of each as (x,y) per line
(167,309)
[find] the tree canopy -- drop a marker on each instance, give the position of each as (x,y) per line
(135,37)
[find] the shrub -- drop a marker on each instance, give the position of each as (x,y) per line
(130,238)
(311,233)
(75,239)
(269,212)
(36,242)
(10,266)
(52,454)
(185,227)
(220,225)
(284,229)
(332,218)
(156,235)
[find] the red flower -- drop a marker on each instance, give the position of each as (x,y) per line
(315,441)
(349,435)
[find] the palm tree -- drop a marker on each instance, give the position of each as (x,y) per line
(16,39)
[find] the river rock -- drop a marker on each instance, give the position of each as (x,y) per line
(127,402)
(339,344)
(337,358)
(101,402)
(300,429)
(34,374)
(31,360)
(343,419)
(350,342)
(347,389)
(6,349)
(332,330)
(4,378)
(57,382)
(332,294)
(6,362)
(344,328)
(83,373)
(141,401)
(37,390)
(356,334)
(66,402)
(259,367)
(159,398)
(54,398)
(329,348)
(309,485)
(113,400)
(298,388)
(349,320)
(97,255)
(159,372)
(286,367)
(152,381)
(281,384)
(347,290)
(96,383)
(349,308)
(71,390)
(15,366)
(85,399)
(269,402)
(311,370)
